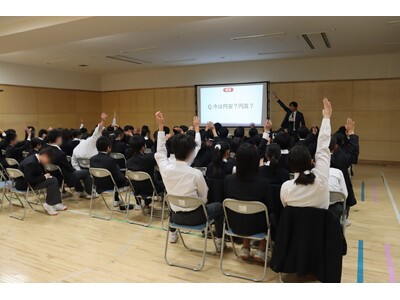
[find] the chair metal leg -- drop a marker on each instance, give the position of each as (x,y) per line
(201,264)
(91,207)
(135,222)
(11,205)
(258,279)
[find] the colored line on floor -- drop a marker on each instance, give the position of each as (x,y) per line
(389,262)
(374,193)
(362,191)
(396,210)
(360,264)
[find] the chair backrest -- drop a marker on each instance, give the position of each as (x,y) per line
(138,176)
(53,168)
(14,173)
(100,172)
(25,154)
(117,156)
(232,155)
(184,202)
(147,150)
(12,162)
(291,175)
(69,158)
(84,163)
(336,197)
(202,169)
(244,208)
(3,152)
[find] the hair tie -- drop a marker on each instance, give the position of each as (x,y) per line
(307,172)
(218,146)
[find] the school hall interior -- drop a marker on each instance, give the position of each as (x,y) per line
(119,133)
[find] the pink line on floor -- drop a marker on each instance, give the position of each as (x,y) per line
(392,277)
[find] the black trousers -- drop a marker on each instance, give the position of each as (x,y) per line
(53,196)
(197,217)
(73,179)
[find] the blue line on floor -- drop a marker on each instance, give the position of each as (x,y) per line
(360,265)
(362,191)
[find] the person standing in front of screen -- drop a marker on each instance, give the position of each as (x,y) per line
(293,118)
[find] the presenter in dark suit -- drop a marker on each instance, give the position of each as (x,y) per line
(293,118)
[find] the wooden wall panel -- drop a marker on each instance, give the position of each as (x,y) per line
(109,104)
(136,101)
(53,101)
(376,95)
(18,100)
(175,99)
(88,102)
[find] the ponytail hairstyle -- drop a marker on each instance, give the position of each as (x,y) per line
(217,158)
(273,155)
(299,161)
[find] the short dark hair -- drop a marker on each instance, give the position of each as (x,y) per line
(247,161)
(103,143)
(118,131)
(137,143)
(184,128)
(48,151)
(166,130)
(333,142)
(36,142)
(340,138)
(53,135)
(191,133)
(83,130)
(217,126)
(76,133)
(302,132)
(283,140)
(41,132)
(293,103)
(182,145)
(223,132)
(10,136)
(299,161)
(128,127)
(273,153)
(145,130)
(253,132)
(239,132)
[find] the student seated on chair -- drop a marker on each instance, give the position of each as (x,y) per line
(36,146)
(221,165)
(271,168)
(310,186)
(182,180)
(104,161)
(248,185)
(32,167)
(87,146)
(140,161)
(72,177)
(15,148)
(337,183)
(146,133)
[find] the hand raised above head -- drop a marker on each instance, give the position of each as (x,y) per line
(327,111)
(350,125)
(159,117)
(268,125)
(103,116)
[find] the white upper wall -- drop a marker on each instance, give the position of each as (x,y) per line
(14,74)
(306,69)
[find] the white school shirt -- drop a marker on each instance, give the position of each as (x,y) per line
(86,148)
(316,194)
(336,181)
(179,178)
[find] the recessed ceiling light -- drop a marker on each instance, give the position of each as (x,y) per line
(391,44)
(138,49)
(280,52)
(396,22)
(257,36)
(83,66)
(56,61)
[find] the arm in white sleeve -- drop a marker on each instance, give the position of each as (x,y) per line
(74,162)
(202,188)
(197,149)
(343,187)
(323,155)
(161,155)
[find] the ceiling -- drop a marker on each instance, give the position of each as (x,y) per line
(66,43)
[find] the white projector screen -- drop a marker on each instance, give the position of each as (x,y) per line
(233,104)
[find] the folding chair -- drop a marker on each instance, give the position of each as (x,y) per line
(202,169)
(11,162)
(121,160)
(245,208)
(189,203)
(291,176)
(55,169)
(25,154)
(335,197)
(104,173)
(138,176)
(147,150)
(84,163)
(5,185)
(3,152)
(232,155)
(14,174)
(69,158)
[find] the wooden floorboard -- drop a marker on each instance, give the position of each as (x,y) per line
(73,247)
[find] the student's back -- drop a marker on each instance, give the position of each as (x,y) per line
(279,177)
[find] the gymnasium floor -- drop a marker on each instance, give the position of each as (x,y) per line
(73,247)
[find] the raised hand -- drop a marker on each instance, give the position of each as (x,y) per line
(327,111)
(103,116)
(267,125)
(210,125)
(196,123)
(350,124)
